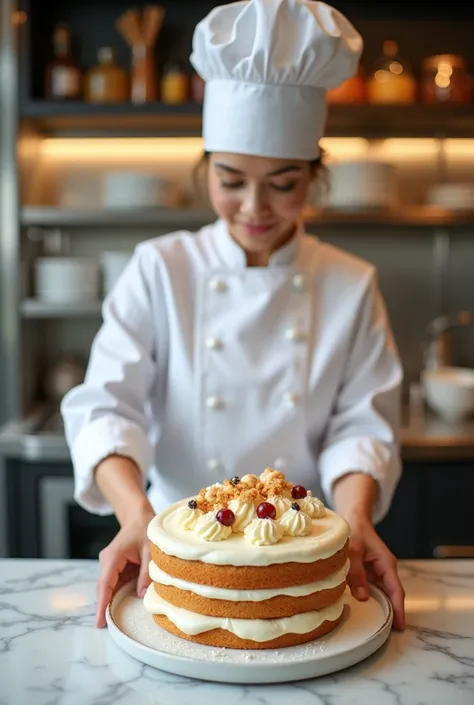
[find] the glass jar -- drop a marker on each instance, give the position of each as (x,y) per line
(174,84)
(445,79)
(350,91)
(392,80)
(106,82)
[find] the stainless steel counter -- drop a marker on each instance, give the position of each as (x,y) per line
(40,438)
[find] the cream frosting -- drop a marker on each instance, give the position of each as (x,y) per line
(244,513)
(263,532)
(259,630)
(216,593)
(266,474)
(208,528)
(188,517)
(249,479)
(328,535)
(294,522)
(280,503)
(312,506)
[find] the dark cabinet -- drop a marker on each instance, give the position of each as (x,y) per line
(448,521)
(44,521)
(431,510)
(400,528)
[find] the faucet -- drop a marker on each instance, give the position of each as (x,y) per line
(438,349)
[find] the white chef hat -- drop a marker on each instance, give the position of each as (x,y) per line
(266,65)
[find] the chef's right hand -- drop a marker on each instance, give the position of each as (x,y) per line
(126,556)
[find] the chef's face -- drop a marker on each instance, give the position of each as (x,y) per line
(261,199)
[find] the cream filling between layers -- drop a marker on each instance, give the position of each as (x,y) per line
(328,535)
(216,593)
(255,629)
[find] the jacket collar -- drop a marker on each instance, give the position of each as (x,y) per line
(234,256)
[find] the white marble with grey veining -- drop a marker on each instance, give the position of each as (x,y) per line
(52,654)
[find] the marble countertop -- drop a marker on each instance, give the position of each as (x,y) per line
(52,654)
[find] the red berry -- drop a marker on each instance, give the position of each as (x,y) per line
(298,492)
(225,517)
(265,510)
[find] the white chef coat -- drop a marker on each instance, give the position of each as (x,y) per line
(204,368)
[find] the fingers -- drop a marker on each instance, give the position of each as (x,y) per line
(383,573)
(395,592)
(144,579)
(357,577)
(111,567)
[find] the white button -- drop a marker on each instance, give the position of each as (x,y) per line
(279,463)
(214,403)
(290,398)
(214,344)
(298,282)
(295,335)
(214,464)
(217,285)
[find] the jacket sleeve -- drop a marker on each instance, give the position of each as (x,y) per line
(107,413)
(363,430)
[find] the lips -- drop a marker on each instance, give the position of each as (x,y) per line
(256,229)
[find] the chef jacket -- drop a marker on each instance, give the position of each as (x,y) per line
(205,368)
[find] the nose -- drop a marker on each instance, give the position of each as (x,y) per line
(254,201)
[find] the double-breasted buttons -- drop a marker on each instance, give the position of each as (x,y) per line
(214,343)
(214,403)
(295,335)
(218,285)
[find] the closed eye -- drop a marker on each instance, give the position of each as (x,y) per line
(284,189)
(232,184)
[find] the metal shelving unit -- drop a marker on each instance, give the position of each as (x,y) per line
(34,308)
(159,119)
(408,217)
(160,217)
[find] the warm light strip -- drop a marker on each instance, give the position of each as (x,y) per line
(345,147)
(118,148)
(459,148)
(414,148)
(183,149)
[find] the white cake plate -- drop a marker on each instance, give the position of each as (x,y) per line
(364,628)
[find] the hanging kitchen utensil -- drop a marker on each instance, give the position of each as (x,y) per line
(141,32)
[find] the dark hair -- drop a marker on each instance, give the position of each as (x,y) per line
(317,167)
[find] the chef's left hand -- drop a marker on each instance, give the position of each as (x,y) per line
(372,562)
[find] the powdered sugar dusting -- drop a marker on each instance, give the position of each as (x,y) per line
(360,621)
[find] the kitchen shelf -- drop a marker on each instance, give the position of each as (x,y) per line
(408,217)
(33,308)
(72,118)
(159,119)
(145,217)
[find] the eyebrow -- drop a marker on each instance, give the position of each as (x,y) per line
(277,172)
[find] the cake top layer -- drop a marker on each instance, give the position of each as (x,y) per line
(250,521)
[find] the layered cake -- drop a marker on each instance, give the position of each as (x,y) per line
(252,563)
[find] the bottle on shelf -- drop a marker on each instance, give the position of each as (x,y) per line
(63,75)
(107,82)
(175,84)
(351,91)
(392,80)
(446,79)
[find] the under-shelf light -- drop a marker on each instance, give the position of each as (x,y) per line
(188,149)
(93,149)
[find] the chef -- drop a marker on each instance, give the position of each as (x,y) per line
(248,343)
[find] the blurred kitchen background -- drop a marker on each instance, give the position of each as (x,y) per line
(99,134)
